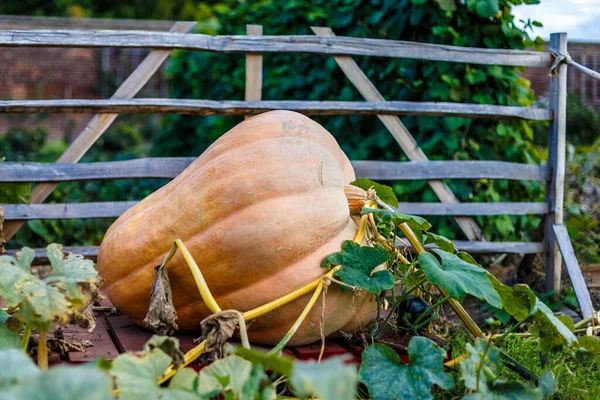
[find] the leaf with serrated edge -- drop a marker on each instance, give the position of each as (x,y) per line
(547,326)
(358,263)
(136,374)
(387,377)
(229,373)
(441,242)
(81,383)
(458,277)
(385,193)
(331,379)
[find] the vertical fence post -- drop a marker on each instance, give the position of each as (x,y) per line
(253,68)
(556,162)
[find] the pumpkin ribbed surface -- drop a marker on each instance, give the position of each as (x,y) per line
(258,210)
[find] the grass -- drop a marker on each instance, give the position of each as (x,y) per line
(576,379)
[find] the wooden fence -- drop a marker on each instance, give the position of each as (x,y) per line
(342,49)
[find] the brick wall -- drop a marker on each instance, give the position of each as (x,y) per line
(587,54)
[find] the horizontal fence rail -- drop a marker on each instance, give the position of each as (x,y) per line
(334,45)
(115,209)
(473,247)
(168,168)
(211,107)
(481,247)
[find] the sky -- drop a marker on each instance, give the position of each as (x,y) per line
(579,18)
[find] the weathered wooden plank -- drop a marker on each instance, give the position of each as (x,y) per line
(472,209)
(404,138)
(556,161)
(254,69)
(114,209)
(481,247)
(414,170)
(143,168)
(100,123)
(575,274)
(234,107)
(102,344)
(66,210)
(274,44)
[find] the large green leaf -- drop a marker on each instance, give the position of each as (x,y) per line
(57,299)
(549,328)
(385,193)
(136,374)
(441,242)
(22,369)
(516,303)
(332,379)
(458,277)
(8,339)
(65,383)
(358,263)
(484,8)
(227,374)
(387,377)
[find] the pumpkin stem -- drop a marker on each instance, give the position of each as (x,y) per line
(357,198)
(203,289)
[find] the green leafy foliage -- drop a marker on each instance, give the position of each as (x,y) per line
(8,339)
(358,263)
(458,277)
(386,376)
(63,296)
(480,373)
(228,374)
(385,193)
(136,373)
(330,380)
(417,224)
(441,242)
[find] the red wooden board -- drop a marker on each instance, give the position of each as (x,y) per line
(130,337)
(312,351)
(102,344)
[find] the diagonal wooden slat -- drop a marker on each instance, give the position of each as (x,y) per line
(406,141)
(573,269)
(99,123)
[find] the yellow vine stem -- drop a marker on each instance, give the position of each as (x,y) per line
(259,311)
(384,242)
(458,308)
(288,336)
(205,293)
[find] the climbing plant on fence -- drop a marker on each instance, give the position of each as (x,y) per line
(487,23)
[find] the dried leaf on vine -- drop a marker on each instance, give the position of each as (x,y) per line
(216,330)
(161,314)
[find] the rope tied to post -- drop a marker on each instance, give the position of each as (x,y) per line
(560,58)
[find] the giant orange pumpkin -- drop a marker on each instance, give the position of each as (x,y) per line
(258,210)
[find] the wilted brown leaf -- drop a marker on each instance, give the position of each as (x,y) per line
(161,314)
